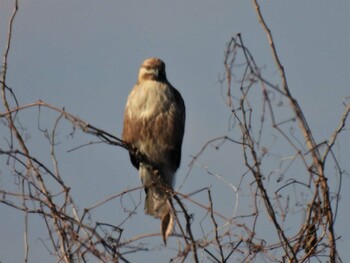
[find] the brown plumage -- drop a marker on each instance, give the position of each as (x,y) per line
(154,122)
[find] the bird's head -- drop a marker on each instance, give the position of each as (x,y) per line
(152,69)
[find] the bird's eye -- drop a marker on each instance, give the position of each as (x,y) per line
(148,67)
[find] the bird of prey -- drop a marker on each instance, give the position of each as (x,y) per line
(154,123)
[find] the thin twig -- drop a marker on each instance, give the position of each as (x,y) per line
(215,228)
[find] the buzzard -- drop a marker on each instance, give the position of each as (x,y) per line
(154,123)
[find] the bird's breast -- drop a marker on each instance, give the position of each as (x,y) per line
(149,99)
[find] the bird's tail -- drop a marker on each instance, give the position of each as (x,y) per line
(158,201)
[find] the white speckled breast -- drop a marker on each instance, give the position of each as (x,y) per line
(149,99)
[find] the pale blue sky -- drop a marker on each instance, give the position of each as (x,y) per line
(84,56)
